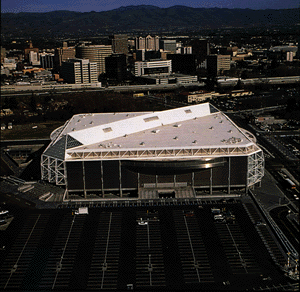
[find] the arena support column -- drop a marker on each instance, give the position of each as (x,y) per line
(83,172)
(193,179)
(210,181)
(229,161)
(102,186)
(120,178)
(247,181)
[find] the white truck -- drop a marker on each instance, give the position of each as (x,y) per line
(82,210)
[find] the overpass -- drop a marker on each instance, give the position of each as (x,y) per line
(11,89)
(263,80)
(258,110)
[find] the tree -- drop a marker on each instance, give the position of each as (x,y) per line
(13,104)
(33,103)
(244,75)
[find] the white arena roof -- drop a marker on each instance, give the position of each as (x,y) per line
(191,127)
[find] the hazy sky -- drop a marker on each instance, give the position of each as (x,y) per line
(102,5)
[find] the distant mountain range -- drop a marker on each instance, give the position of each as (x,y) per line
(141,17)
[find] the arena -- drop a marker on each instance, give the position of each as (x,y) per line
(178,153)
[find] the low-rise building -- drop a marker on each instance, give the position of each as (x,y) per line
(170,79)
(152,67)
(199,96)
(202,95)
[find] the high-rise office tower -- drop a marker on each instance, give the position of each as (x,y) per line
(34,58)
(120,44)
(96,53)
(116,67)
(140,43)
(152,43)
(79,71)
(47,60)
(183,63)
(216,64)
(63,54)
(201,49)
(28,50)
(168,45)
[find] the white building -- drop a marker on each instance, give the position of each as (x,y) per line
(34,58)
(152,67)
(9,64)
(289,56)
(183,150)
(79,71)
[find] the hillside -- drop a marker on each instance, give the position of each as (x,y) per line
(143,17)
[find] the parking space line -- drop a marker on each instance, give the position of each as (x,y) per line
(15,266)
(191,245)
(59,266)
(104,265)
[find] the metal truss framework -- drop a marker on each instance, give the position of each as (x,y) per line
(117,154)
(53,170)
(255,168)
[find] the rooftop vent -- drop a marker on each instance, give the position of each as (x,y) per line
(195,141)
(177,125)
(155,131)
(151,119)
(211,128)
(142,143)
(188,111)
(78,121)
(91,122)
(175,138)
(232,140)
(73,129)
(221,122)
(230,131)
(107,130)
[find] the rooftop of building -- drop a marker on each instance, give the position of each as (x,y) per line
(167,75)
(197,126)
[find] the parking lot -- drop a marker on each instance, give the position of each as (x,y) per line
(142,247)
(193,255)
(104,264)
(149,254)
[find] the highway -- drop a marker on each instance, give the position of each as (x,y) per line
(28,90)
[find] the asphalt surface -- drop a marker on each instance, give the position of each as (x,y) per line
(55,249)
